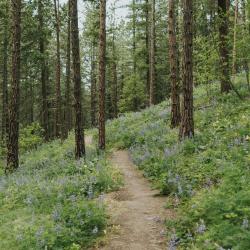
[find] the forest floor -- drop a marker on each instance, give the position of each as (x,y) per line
(137,212)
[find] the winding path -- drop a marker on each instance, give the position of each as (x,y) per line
(137,212)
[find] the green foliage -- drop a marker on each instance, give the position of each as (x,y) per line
(208,176)
(31,137)
(53,201)
(132,95)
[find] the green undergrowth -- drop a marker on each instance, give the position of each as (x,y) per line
(207,178)
(53,201)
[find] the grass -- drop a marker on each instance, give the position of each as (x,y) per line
(207,178)
(53,201)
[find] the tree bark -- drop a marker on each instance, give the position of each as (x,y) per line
(114,81)
(79,131)
(147,48)
(13,136)
(45,121)
(245,62)
(187,122)
(68,113)
(235,38)
(173,60)
(5,80)
(102,62)
(223,6)
(58,111)
(93,87)
(152,98)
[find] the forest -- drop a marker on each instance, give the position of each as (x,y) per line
(124,124)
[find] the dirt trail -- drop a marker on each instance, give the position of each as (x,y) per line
(137,213)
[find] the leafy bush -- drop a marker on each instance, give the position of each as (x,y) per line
(207,177)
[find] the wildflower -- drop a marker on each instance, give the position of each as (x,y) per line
(56,215)
(245,223)
(172,244)
(201,228)
(95,230)
(29,200)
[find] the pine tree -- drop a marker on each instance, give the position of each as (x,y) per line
(102,64)
(223,8)
(79,132)
(58,111)
(13,136)
(45,112)
(152,56)
(187,122)
(173,61)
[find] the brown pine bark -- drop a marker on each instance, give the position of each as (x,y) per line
(13,136)
(79,131)
(147,48)
(235,38)
(45,122)
(114,82)
(223,6)
(93,87)
(245,62)
(152,99)
(173,60)
(58,111)
(187,122)
(68,113)
(5,80)
(102,64)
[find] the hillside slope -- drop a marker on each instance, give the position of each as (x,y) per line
(207,178)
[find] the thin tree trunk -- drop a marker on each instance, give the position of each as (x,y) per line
(152,98)
(102,62)
(93,87)
(13,136)
(235,38)
(5,80)
(223,7)
(45,122)
(175,99)
(68,115)
(147,48)
(58,111)
(114,81)
(245,62)
(187,121)
(79,131)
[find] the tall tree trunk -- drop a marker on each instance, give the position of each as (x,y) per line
(68,114)
(147,48)
(187,121)
(152,98)
(173,59)
(245,61)
(223,6)
(235,38)
(102,64)
(114,81)
(93,87)
(79,131)
(58,111)
(13,136)
(5,80)
(45,122)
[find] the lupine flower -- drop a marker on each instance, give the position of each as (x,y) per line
(201,228)
(173,243)
(95,230)
(245,223)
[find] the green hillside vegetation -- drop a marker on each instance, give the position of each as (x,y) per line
(53,201)
(207,178)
